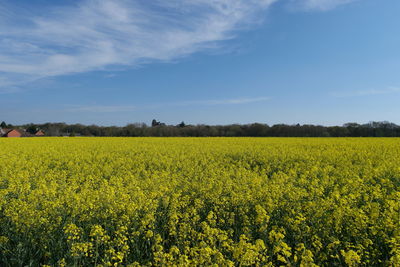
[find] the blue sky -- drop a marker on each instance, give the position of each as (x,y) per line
(112,62)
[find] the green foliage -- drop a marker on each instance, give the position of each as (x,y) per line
(199,202)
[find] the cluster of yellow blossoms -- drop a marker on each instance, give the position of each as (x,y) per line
(199,202)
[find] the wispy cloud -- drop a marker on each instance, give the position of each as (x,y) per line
(81,36)
(370,92)
(97,34)
(129,108)
(321,5)
(110,75)
(234,101)
(101,109)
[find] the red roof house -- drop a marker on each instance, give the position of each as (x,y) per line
(39,133)
(15,133)
(12,133)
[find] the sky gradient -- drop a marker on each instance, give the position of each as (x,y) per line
(112,62)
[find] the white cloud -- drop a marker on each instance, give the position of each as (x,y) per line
(128,108)
(81,36)
(235,101)
(96,34)
(371,92)
(321,5)
(102,109)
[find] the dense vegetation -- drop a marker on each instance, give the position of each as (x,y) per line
(372,129)
(193,201)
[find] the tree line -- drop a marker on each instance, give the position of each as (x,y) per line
(156,128)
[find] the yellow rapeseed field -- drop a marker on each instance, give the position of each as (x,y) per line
(199,202)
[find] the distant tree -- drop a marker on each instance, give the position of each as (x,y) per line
(257,129)
(371,129)
(32,129)
(337,131)
(3,124)
(53,130)
(351,125)
(155,123)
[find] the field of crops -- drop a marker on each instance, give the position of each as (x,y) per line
(188,201)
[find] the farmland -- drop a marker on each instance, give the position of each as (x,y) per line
(200,201)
